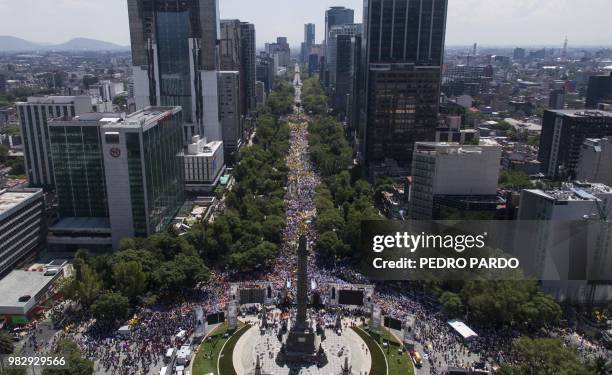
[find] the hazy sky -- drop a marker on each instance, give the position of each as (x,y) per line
(500,22)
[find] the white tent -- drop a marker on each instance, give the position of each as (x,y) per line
(462,329)
(125,330)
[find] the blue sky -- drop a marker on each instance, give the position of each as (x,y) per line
(502,22)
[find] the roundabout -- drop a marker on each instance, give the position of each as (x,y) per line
(256,352)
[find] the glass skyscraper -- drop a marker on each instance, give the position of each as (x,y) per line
(403,49)
(175,59)
(76,151)
(145,176)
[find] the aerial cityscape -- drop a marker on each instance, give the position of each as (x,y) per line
(381,200)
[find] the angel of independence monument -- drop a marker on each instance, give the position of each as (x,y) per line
(301,342)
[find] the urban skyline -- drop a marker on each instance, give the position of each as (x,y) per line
(193,205)
(497,21)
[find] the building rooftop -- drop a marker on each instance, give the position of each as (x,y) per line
(52,99)
(576,191)
(17,286)
(454,147)
(201,147)
(580,113)
(88,119)
(141,119)
(10,199)
(83,223)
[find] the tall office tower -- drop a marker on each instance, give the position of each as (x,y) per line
(237,53)
(580,208)
(2,83)
(280,49)
(556,99)
(76,150)
(229,110)
(450,175)
(309,40)
(346,68)
(248,61)
(403,53)
(144,171)
(563,134)
(229,45)
(175,60)
(260,94)
(265,71)
(334,16)
(595,163)
(33,116)
(519,53)
(332,47)
(463,79)
(599,90)
(22,226)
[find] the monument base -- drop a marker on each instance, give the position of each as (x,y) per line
(301,343)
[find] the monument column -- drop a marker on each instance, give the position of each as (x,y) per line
(302,285)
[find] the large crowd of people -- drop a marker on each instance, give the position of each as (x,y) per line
(153,331)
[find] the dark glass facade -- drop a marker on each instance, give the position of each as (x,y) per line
(163,171)
(599,90)
(403,53)
(563,133)
(76,152)
(173,58)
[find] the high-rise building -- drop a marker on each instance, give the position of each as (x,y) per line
(556,99)
(79,173)
(33,116)
(2,83)
(587,251)
(229,110)
(229,45)
(334,16)
(451,175)
(280,49)
(237,50)
(403,53)
(260,94)
(563,134)
(519,53)
(332,47)
(175,60)
(22,226)
(465,79)
(309,40)
(144,171)
(265,71)
(248,62)
(599,90)
(595,163)
(347,61)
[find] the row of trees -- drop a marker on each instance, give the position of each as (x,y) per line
(15,164)
(142,272)
(501,303)
(342,201)
(280,101)
(247,235)
(550,356)
(314,99)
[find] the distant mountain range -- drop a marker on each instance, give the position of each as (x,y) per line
(14,44)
